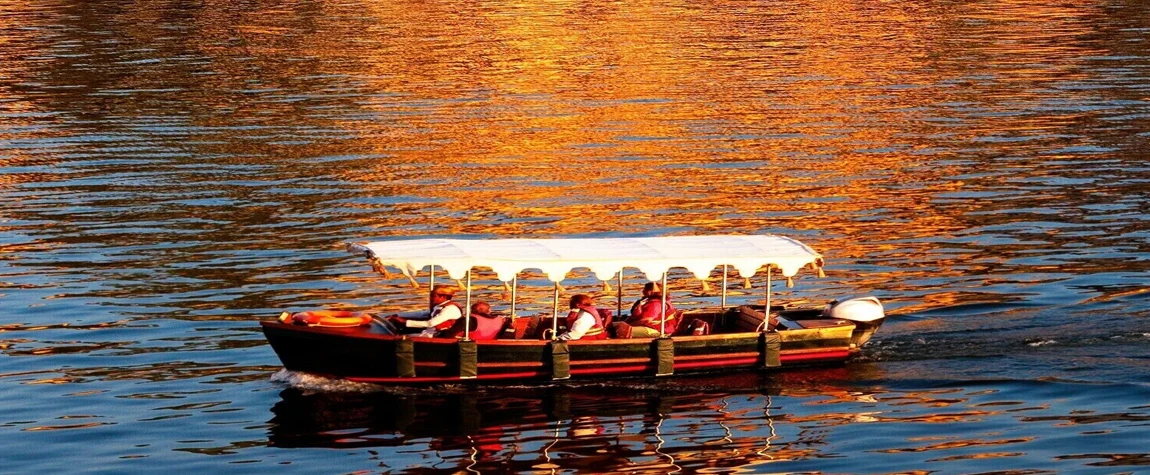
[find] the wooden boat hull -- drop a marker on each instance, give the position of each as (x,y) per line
(369,354)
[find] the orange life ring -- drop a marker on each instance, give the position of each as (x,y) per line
(327,318)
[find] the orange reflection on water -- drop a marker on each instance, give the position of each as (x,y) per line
(956,444)
(870,130)
(67,426)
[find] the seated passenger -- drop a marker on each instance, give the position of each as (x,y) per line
(484,326)
(583,322)
(647,315)
(440,317)
(647,289)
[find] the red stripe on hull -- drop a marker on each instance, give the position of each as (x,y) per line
(718,363)
(618,370)
(824,355)
(629,370)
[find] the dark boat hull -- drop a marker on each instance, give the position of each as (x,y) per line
(367,354)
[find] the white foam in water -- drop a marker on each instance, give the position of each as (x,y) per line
(311,382)
(1042,343)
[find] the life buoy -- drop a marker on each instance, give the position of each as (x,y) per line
(327,318)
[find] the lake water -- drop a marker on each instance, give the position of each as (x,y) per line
(173,172)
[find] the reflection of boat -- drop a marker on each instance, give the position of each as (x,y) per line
(697,423)
(739,338)
(380,419)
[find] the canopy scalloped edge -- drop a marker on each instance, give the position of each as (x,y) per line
(605,257)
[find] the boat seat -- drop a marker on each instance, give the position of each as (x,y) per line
(749,319)
(525,328)
(694,327)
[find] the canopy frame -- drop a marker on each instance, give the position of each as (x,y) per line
(605,257)
(653,256)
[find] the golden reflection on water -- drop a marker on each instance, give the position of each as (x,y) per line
(573,119)
(149,151)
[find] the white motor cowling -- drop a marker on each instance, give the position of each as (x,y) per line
(859,309)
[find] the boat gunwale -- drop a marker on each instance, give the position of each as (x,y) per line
(357,332)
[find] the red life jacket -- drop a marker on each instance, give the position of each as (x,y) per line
(649,314)
(596,332)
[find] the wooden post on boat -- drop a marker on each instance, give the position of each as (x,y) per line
(770,345)
(468,359)
(405,358)
(560,360)
(664,350)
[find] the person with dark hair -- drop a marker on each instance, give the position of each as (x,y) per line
(442,314)
(648,288)
(583,322)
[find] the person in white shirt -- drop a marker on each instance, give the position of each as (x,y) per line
(584,321)
(441,316)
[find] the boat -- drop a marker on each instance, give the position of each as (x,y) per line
(362,347)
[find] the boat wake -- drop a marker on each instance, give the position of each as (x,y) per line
(1001,343)
(312,383)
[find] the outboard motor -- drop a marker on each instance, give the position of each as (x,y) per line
(858,309)
(865,312)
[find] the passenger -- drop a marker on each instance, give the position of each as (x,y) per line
(583,322)
(481,309)
(647,289)
(647,316)
(440,317)
(484,325)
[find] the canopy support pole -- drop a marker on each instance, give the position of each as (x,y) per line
(467,310)
(431,279)
(555,315)
(514,287)
(723,302)
(619,297)
(767,309)
(663,310)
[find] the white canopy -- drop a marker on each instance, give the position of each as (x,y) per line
(604,256)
